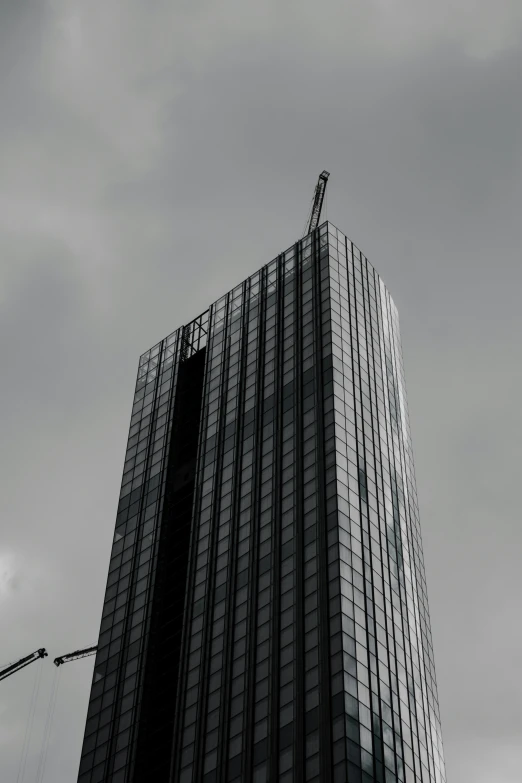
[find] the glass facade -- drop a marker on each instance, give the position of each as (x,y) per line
(266,616)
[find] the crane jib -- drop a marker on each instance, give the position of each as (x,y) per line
(15,667)
(318,201)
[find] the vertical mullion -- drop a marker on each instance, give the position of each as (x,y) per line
(325,746)
(249,709)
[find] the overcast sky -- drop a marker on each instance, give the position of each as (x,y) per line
(153,155)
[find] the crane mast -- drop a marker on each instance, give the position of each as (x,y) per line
(318,201)
(74,656)
(15,667)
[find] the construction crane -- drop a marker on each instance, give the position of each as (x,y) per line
(317,205)
(22,663)
(75,655)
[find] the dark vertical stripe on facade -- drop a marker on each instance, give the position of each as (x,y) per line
(190,579)
(160,683)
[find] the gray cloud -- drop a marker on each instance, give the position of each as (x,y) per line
(154,156)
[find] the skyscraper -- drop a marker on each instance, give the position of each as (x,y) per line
(265,616)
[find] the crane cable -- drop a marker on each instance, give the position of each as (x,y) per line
(29,725)
(40,773)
